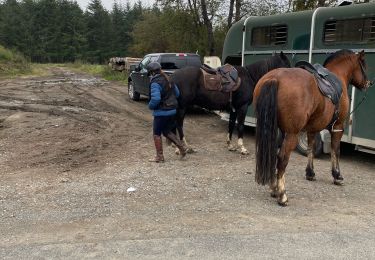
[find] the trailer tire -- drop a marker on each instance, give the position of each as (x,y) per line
(302,144)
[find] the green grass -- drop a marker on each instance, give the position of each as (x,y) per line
(13,63)
(103,71)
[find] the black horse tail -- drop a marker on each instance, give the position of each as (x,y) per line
(266,133)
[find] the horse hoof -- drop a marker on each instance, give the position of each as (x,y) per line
(338,182)
(244,152)
(232,148)
(283,204)
(190,150)
(310,178)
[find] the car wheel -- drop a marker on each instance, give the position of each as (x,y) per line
(134,95)
(302,144)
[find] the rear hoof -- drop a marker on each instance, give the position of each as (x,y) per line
(310,174)
(283,200)
(310,178)
(244,151)
(283,204)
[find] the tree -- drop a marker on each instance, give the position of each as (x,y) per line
(167,30)
(72,32)
(98,32)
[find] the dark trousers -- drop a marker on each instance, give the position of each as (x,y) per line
(164,124)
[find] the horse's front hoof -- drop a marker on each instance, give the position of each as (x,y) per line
(338,182)
(190,150)
(310,178)
(232,148)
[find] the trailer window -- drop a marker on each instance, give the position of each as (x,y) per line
(269,35)
(350,31)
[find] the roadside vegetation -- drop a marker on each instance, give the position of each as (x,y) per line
(103,71)
(12,63)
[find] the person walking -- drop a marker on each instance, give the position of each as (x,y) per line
(163,102)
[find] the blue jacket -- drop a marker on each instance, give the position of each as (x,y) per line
(156,90)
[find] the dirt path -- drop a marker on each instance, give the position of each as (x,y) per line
(71,145)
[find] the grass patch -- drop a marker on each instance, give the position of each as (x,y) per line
(13,63)
(103,71)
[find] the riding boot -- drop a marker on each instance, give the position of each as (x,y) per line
(180,145)
(159,150)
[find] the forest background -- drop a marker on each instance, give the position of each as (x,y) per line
(59,31)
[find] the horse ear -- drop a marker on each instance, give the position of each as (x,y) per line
(362,54)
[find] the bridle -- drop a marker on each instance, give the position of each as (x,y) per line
(368,82)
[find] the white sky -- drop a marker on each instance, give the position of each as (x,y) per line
(109,3)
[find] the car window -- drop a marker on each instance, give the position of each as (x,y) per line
(154,58)
(145,62)
(173,62)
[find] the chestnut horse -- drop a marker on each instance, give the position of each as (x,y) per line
(289,99)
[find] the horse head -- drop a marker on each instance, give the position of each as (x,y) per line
(359,78)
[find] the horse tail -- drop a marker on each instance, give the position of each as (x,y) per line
(266,132)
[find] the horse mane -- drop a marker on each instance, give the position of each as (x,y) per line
(258,69)
(337,54)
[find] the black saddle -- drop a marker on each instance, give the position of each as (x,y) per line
(328,83)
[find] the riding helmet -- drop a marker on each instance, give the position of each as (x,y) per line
(154,66)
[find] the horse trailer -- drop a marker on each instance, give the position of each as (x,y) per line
(312,36)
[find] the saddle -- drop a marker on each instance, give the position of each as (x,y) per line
(329,85)
(224,78)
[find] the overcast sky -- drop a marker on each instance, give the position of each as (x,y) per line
(109,3)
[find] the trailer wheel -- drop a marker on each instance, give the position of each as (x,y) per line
(134,95)
(302,144)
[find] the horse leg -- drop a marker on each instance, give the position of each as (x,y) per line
(335,154)
(180,116)
(310,174)
(289,144)
(241,115)
(231,125)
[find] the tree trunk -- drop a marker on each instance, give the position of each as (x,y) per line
(208,25)
(238,10)
(230,15)
(194,11)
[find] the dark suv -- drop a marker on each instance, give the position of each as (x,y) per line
(139,79)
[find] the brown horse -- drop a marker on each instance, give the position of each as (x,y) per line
(289,99)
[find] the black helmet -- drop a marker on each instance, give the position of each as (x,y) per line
(154,66)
